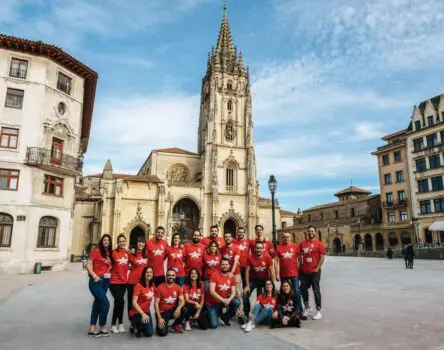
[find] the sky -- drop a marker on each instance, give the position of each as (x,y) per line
(329,78)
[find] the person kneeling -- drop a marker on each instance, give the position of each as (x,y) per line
(194,292)
(264,308)
(169,305)
(141,320)
(221,294)
(287,313)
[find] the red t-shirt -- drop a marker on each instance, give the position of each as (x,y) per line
(194,293)
(211,264)
(194,256)
(230,253)
(244,250)
(138,263)
(223,287)
(268,247)
(156,252)
(311,254)
(119,270)
(207,240)
(259,267)
(101,265)
(144,297)
(176,260)
(288,259)
(168,296)
(268,302)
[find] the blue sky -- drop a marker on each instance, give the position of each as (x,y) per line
(330,77)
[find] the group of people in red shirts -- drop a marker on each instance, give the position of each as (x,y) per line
(207,282)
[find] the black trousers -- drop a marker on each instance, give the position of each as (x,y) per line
(169,315)
(202,321)
(311,280)
(129,295)
(294,321)
(118,293)
(158,280)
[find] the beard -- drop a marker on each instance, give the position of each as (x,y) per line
(196,240)
(170,280)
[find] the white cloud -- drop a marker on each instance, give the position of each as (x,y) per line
(368,131)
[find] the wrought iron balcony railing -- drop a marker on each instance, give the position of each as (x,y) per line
(46,158)
(400,202)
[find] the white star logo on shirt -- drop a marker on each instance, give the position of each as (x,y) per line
(212,262)
(122,261)
(268,306)
(149,295)
(287,255)
(224,287)
(142,261)
(242,247)
(259,268)
(227,256)
(195,295)
(158,252)
(195,255)
(170,300)
(288,308)
(177,256)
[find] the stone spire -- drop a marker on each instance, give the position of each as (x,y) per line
(108,171)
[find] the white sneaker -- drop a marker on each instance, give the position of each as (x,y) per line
(114,329)
(122,328)
(245,325)
(250,326)
(317,315)
(221,323)
(187,326)
(307,312)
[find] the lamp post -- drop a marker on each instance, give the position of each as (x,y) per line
(272,185)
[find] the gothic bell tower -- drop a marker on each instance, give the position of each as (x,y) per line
(225,138)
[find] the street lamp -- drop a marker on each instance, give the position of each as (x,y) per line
(272,185)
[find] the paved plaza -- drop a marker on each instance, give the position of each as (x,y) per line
(368,304)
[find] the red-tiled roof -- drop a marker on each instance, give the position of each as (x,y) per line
(351,190)
(59,56)
(264,199)
(287,213)
(135,178)
(175,150)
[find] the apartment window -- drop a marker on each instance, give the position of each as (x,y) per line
(391,217)
(432,140)
(425,207)
(18,68)
(56,151)
(439,204)
(417,125)
(47,232)
(53,185)
(9,179)
(284,224)
(389,197)
(14,98)
(397,156)
(423,185)
(421,164)
(387,179)
(385,159)
(434,161)
(437,183)
(6,223)
(403,216)
(418,144)
(430,120)
(401,196)
(8,138)
(352,212)
(336,214)
(64,83)
(399,176)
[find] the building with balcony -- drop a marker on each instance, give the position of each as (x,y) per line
(45,124)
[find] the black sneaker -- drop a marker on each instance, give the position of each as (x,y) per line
(131,330)
(240,320)
(91,334)
(225,319)
(138,334)
(102,333)
(302,317)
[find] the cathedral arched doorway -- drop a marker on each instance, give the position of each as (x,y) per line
(356,242)
(337,245)
(368,242)
(231,226)
(136,232)
(186,216)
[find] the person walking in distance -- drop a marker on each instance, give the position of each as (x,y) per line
(194,292)
(264,307)
(194,254)
(221,295)
(156,252)
(214,236)
(243,245)
(140,315)
(118,283)
(176,259)
(260,237)
(98,266)
(287,265)
(169,305)
(311,259)
(211,262)
(259,268)
(286,313)
(410,254)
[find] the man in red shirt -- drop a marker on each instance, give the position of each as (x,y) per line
(194,254)
(156,252)
(259,269)
(260,237)
(231,252)
(169,305)
(287,265)
(214,232)
(221,294)
(311,259)
(243,245)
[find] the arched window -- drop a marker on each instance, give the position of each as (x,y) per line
(47,232)
(230,177)
(230,105)
(229,85)
(6,223)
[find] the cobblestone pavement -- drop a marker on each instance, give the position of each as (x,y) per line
(368,304)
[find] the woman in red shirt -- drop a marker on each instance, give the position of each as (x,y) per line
(140,315)
(99,267)
(119,280)
(176,258)
(138,261)
(263,310)
(211,262)
(194,291)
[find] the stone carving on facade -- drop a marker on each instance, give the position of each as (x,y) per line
(230,131)
(232,214)
(139,212)
(178,173)
(61,128)
(162,190)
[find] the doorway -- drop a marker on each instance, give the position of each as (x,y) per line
(136,232)
(231,226)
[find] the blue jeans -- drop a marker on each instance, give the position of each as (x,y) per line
(180,280)
(214,311)
(100,306)
(206,283)
(295,284)
(169,315)
(254,284)
(145,328)
(262,315)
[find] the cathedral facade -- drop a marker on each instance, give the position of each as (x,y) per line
(182,190)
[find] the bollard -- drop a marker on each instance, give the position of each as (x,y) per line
(37,268)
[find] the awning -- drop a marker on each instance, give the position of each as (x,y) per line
(437,226)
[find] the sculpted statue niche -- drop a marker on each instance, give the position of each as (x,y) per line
(230,131)
(178,173)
